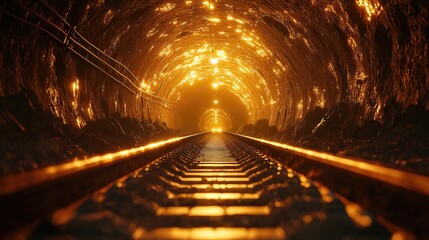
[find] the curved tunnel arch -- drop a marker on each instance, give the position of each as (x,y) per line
(253,61)
(252,52)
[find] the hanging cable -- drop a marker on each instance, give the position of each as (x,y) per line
(67,35)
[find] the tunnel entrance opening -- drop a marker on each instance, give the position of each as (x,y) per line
(216,120)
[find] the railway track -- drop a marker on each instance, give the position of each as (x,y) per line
(214,186)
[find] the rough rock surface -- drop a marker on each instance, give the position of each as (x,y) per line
(32,137)
(400,140)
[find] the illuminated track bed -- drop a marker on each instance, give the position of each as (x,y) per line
(209,186)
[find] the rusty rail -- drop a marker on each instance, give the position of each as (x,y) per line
(30,195)
(398,196)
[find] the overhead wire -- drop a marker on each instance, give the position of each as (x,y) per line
(74,41)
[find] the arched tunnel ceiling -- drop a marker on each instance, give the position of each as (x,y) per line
(274,59)
(278,58)
(268,55)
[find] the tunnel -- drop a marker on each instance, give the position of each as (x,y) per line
(200,65)
(88,77)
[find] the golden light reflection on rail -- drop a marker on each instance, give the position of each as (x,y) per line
(392,176)
(19,181)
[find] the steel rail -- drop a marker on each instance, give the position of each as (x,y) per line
(400,197)
(28,196)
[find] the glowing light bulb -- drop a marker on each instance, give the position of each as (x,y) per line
(216,101)
(215,85)
(214,61)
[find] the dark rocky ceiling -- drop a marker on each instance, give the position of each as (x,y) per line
(274,59)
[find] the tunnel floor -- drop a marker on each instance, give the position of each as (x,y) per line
(215,188)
